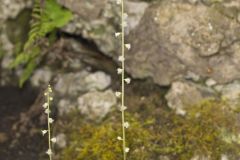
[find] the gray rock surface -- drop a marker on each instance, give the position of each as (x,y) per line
(185,94)
(11,8)
(83,81)
(98,20)
(174,38)
(61,140)
(96,104)
(41,77)
(231,93)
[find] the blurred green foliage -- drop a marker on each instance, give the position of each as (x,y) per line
(46,18)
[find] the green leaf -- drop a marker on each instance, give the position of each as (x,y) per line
(45,19)
(27,72)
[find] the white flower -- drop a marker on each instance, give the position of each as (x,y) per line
(119,138)
(49,152)
(126,124)
(51,120)
(45,105)
(119,70)
(121,58)
(123,108)
(47,111)
(54,140)
(49,89)
(51,98)
(117,34)
(125,15)
(118,94)
(128,46)
(127,149)
(127,80)
(119,1)
(45,94)
(210,26)
(44,132)
(124,24)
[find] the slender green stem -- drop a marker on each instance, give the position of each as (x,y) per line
(123,84)
(49,126)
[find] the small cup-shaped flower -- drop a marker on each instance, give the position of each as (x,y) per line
(119,70)
(47,111)
(118,94)
(50,120)
(127,149)
(45,105)
(126,124)
(54,139)
(118,1)
(117,34)
(123,108)
(127,80)
(121,58)
(49,152)
(128,46)
(44,132)
(119,138)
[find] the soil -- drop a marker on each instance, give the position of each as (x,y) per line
(15,144)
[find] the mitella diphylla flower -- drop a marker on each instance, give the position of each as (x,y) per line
(119,70)
(49,152)
(128,46)
(126,124)
(121,58)
(127,80)
(127,149)
(118,94)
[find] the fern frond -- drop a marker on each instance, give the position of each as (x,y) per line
(45,19)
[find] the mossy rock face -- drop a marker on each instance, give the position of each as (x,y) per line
(202,132)
(209,129)
(175,37)
(92,142)
(17,28)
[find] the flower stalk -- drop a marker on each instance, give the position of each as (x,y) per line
(48,131)
(124,80)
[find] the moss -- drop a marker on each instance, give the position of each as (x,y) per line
(198,133)
(209,129)
(92,141)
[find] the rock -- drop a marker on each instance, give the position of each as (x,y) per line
(192,76)
(75,83)
(185,94)
(197,157)
(99,20)
(175,37)
(135,11)
(41,76)
(163,158)
(11,8)
(65,106)
(98,80)
(231,93)
(3,137)
(95,105)
(61,140)
(210,82)
(224,157)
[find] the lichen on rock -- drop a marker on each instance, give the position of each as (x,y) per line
(179,37)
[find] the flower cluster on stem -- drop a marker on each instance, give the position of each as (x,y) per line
(124,80)
(47,110)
